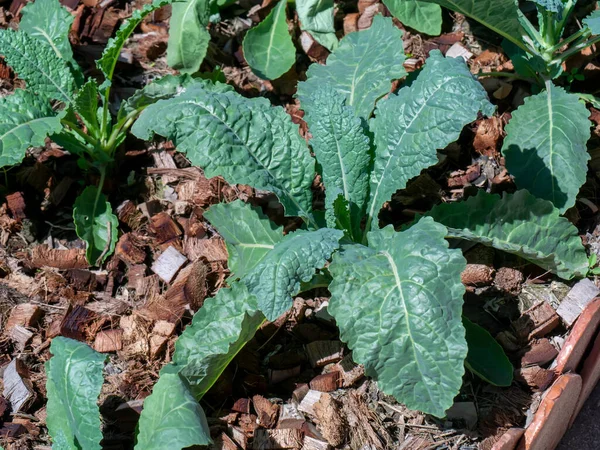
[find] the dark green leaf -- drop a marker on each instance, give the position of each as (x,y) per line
(86,105)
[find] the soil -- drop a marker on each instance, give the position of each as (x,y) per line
(133,312)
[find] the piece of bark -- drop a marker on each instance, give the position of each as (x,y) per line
(158,345)
(213,250)
(168,264)
(4,405)
(238,436)
(576,300)
(278,376)
(18,389)
(242,405)
(163,160)
(164,228)
(315,51)
(12,430)
(109,341)
(25,314)
(330,421)
(366,18)
(307,405)
(477,275)
(321,353)
(129,250)
(75,322)
(457,50)
(164,328)
(540,353)
(326,382)
(130,215)
(16,205)
(311,443)
(248,424)
(290,417)
(266,411)
(277,439)
(351,23)
(535,377)
(136,275)
(20,336)
(350,371)
(224,442)
(150,208)
(364,4)
(300,392)
(537,321)
(44,256)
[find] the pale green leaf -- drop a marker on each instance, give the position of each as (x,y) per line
(545,146)
(248,233)
(316,17)
(74,381)
(362,67)
(43,71)
(592,22)
(86,105)
(342,149)
(219,330)
(422,16)
(500,16)
(226,135)
(171,418)
(276,278)
(96,224)
(486,358)
(188,36)
(398,306)
(519,224)
(268,47)
(49,22)
(426,116)
(113,48)
(25,121)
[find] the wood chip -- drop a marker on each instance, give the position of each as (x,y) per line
(20,336)
(163,160)
(277,439)
(164,228)
(16,205)
(212,250)
(242,405)
(321,353)
(109,341)
(168,264)
(266,411)
(44,256)
(326,382)
(350,371)
(535,377)
(540,352)
(75,321)
(330,421)
(238,436)
(18,389)
(307,405)
(290,417)
(576,300)
(129,250)
(537,321)
(25,314)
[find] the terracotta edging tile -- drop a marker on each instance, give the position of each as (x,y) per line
(590,375)
(553,415)
(509,440)
(580,337)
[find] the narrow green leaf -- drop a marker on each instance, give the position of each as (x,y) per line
(25,121)
(268,47)
(342,148)
(248,233)
(338,214)
(113,48)
(73,386)
(188,36)
(96,224)
(362,67)
(545,146)
(276,278)
(86,105)
(592,22)
(486,358)
(500,16)
(398,306)
(43,71)
(422,16)
(316,17)
(49,22)
(219,330)
(172,418)
(519,224)
(410,127)
(225,134)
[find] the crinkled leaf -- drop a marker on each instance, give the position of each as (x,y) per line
(410,127)
(341,148)
(486,358)
(362,67)
(248,233)
(398,305)
(545,146)
(172,418)
(268,47)
(422,16)
(294,259)
(316,17)
(113,48)
(592,22)
(73,385)
(556,6)
(226,134)
(219,330)
(338,214)
(25,121)
(86,105)
(519,224)
(500,16)
(96,224)
(49,22)
(43,71)
(188,36)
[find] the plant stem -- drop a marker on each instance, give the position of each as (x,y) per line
(576,49)
(75,129)
(501,75)
(568,40)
